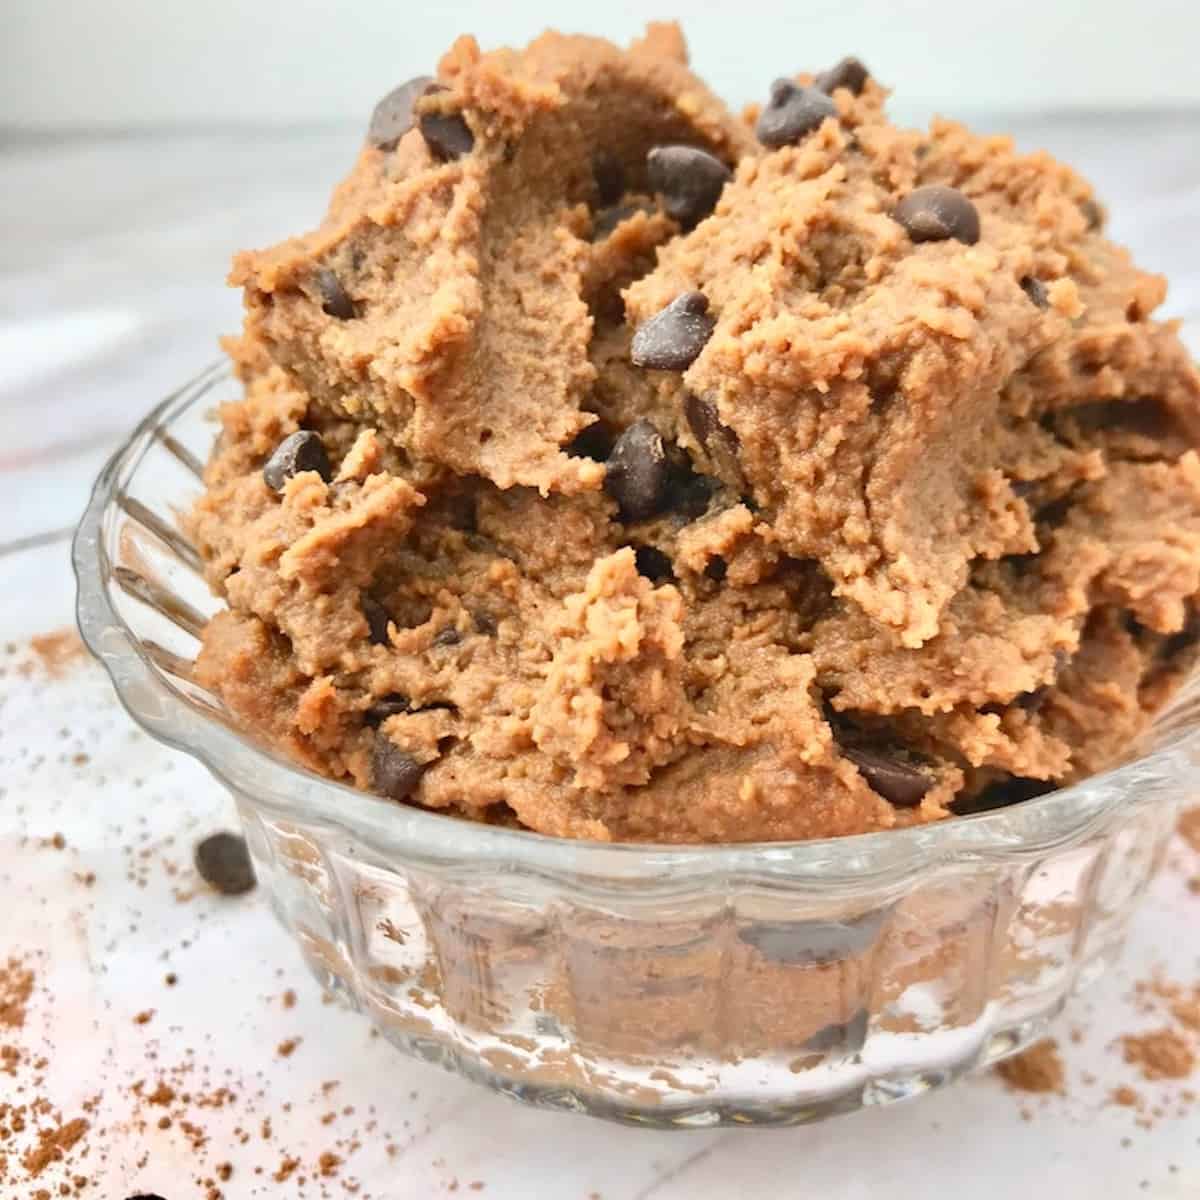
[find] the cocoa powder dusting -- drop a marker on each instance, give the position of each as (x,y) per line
(57,650)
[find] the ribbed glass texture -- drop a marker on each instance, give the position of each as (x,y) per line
(665,986)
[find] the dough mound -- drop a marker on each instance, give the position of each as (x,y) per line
(891,511)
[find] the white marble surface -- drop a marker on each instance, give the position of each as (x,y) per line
(113,255)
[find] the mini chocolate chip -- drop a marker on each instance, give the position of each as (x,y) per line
(448,637)
(334,301)
(689,179)
(1035,289)
(1093,212)
(849,73)
(791,113)
(393,116)
(716,569)
(224,863)
(653,564)
(638,471)
(1033,702)
(386,706)
(935,213)
(609,174)
(718,440)
(606,220)
(673,338)
(394,773)
(378,619)
(447,135)
(298,452)
(485,623)
(896,781)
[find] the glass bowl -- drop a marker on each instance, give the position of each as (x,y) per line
(673,987)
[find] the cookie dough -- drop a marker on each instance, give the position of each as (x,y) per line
(619,467)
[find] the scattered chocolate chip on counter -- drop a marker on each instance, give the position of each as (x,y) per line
(223,861)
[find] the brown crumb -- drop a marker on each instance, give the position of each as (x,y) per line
(170,979)
(288,999)
(144,1017)
(287,1168)
(53,1144)
(16,986)
(285,1048)
(58,842)
(1125,1096)
(328,1164)
(224,1171)
(1161,1054)
(163,1094)
(1038,1069)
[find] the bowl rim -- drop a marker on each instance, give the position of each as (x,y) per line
(269,780)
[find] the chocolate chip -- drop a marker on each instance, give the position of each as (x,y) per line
(606,220)
(934,213)
(447,135)
(716,569)
(145,1196)
(638,471)
(393,116)
(673,338)
(334,301)
(594,442)
(378,619)
(224,863)
(609,174)
(1093,213)
(298,452)
(896,781)
(394,773)
(791,113)
(386,706)
(807,943)
(718,440)
(840,1035)
(653,564)
(849,73)
(1035,289)
(689,179)
(1003,793)
(448,637)
(1033,702)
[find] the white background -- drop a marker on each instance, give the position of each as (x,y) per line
(73,63)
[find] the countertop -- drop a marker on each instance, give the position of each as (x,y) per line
(114,253)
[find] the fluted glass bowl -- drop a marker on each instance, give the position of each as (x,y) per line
(666,986)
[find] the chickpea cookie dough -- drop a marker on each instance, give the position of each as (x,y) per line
(620,467)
